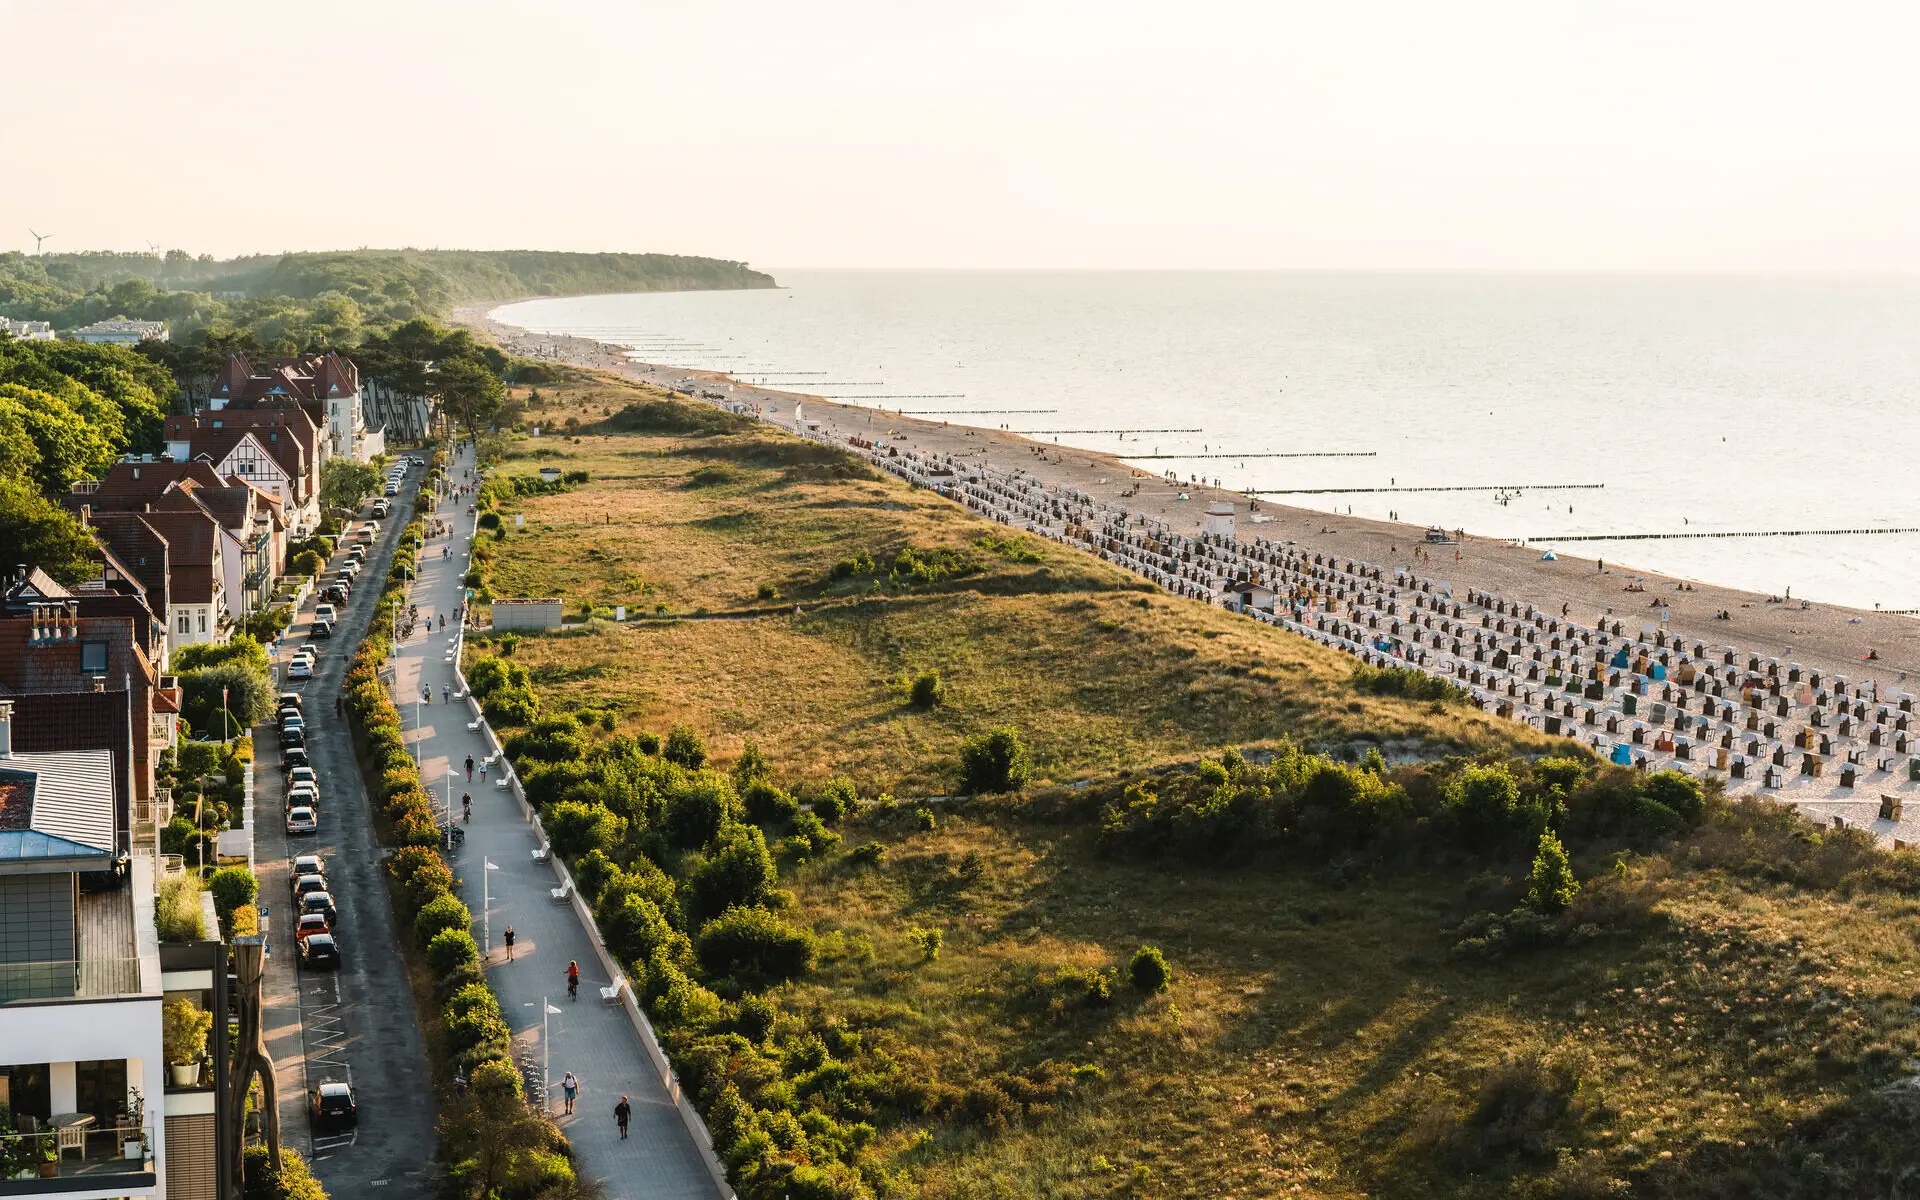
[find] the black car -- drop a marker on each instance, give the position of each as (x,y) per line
(331,1106)
(293,756)
(321,629)
(322,903)
(292,737)
(319,950)
(335,594)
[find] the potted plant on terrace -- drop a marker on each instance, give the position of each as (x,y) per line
(184,1027)
(49,1155)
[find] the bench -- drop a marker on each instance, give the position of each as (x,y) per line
(611,993)
(473,727)
(561,894)
(544,853)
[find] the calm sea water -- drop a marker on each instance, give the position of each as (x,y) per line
(1702,404)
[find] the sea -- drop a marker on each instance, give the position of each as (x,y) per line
(1545,408)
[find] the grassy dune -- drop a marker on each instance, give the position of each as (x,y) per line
(1724,1023)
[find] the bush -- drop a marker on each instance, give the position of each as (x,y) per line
(421,874)
(755,947)
(576,828)
(290,1180)
(176,912)
(837,800)
(443,912)
(592,872)
(450,950)
(307,562)
(697,809)
(1484,799)
(231,888)
(868,853)
(244,922)
(927,691)
(1675,792)
(1148,971)
(994,762)
(767,804)
(737,873)
(756,1018)
(927,941)
(685,747)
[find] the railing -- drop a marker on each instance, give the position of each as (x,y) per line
(115,1156)
(53,979)
(173,864)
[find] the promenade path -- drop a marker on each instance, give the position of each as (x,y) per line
(594,1040)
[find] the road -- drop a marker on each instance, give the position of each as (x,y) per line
(357,1023)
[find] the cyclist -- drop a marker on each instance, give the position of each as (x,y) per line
(466,806)
(573,980)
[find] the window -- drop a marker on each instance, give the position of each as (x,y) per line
(186,623)
(93,658)
(203,620)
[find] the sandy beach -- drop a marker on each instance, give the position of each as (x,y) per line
(1830,638)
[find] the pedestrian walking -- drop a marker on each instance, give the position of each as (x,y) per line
(570,1088)
(509,937)
(623,1112)
(469,768)
(483,772)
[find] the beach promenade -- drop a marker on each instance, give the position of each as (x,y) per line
(595,1040)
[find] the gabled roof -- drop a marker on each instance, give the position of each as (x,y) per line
(57,805)
(30,584)
(192,545)
(129,486)
(140,549)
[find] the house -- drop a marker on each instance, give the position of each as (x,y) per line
(120,332)
(277,449)
(27,331)
(179,559)
(324,386)
(1244,594)
(83,980)
(252,519)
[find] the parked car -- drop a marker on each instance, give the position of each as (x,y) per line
(322,903)
(336,592)
(380,509)
(393,489)
(300,668)
(309,883)
(330,1106)
(308,864)
(286,711)
(302,820)
(310,924)
(356,553)
(321,629)
(319,950)
(350,568)
(323,612)
(301,775)
(291,720)
(291,700)
(304,795)
(293,756)
(293,737)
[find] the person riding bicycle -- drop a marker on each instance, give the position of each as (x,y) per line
(573,979)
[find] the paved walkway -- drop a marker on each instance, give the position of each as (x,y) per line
(596,1041)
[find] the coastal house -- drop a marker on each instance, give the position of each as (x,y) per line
(179,558)
(324,386)
(84,976)
(278,450)
(120,332)
(27,331)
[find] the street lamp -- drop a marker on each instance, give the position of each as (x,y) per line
(546,1051)
(486,925)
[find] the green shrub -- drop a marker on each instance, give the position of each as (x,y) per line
(867,853)
(927,691)
(927,941)
(592,872)
(443,912)
(307,562)
(576,828)
(755,947)
(468,1029)
(767,804)
(1675,792)
(994,762)
(1484,799)
(837,800)
(176,911)
(756,1018)
(451,949)
(1148,971)
(685,748)
(737,872)
(232,887)
(697,808)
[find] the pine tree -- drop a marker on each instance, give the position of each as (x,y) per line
(1554,886)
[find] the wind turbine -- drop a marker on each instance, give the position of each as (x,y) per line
(38,238)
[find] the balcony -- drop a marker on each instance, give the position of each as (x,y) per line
(70,978)
(85,1159)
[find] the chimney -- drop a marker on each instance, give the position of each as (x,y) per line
(6,729)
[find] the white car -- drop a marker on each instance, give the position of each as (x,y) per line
(302,775)
(307,864)
(302,820)
(300,668)
(324,613)
(303,795)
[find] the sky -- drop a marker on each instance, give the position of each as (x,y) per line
(1402,134)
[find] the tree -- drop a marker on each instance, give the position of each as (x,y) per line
(1484,798)
(249,698)
(685,747)
(1553,886)
(739,872)
(344,483)
(36,532)
(755,947)
(995,762)
(232,887)
(469,392)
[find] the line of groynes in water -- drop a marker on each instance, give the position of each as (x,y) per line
(1027,432)
(1492,487)
(1749,533)
(1273,454)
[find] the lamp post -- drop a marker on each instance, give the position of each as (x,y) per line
(486,923)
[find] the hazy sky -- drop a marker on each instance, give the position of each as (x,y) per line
(1743,135)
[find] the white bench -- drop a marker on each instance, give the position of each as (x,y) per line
(611,993)
(561,894)
(544,853)
(473,727)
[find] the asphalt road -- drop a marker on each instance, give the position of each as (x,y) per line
(357,1023)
